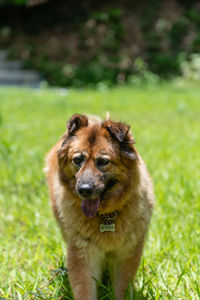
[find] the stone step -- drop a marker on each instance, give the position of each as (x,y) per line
(12,74)
(10,64)
(3,54)
(19,77)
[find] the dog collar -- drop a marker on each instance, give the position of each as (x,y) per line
(107,220)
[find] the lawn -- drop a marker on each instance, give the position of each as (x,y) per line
(165,121)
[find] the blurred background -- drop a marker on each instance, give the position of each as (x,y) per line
(86,43)
(140,61)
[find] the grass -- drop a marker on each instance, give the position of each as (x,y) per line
(166,124)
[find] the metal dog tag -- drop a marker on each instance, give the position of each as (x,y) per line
(107,227)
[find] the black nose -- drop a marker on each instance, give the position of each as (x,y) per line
(85,190)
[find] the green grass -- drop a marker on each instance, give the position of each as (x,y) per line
(166,124)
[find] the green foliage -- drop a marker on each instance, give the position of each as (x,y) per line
(196,44)
(113,14)
(190,67)
(165,64)
(165,122)
(194,16)
(177,32)
(142,77)
(104,48)
(102,66)
(17,2)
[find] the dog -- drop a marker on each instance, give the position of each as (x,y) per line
(102,197)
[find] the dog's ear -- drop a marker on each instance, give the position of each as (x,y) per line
(121,133)
(76,122)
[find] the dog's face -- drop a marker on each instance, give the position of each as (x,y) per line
(95,162)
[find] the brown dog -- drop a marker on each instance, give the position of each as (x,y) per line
(102,198)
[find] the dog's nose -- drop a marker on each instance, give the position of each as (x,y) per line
(85,190)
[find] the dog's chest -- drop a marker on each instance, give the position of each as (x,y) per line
(84,230)
(108,240)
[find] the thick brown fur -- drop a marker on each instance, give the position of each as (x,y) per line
(130,195)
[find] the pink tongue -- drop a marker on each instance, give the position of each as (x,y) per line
(90,206)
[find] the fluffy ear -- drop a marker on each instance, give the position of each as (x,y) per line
(76,122)
(120,132)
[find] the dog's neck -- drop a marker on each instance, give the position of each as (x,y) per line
(108,218)
(107,223)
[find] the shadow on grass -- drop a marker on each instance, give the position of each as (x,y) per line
(105,291)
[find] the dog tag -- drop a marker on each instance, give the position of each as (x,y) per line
(107,227)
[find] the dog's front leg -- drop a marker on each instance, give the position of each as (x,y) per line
(125,270)
(82,273)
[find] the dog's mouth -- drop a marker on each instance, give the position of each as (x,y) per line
(90,206)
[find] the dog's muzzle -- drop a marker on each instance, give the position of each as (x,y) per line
(85,190)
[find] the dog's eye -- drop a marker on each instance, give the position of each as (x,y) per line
(78,160)
(102,162)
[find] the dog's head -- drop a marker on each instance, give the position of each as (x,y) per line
(96,160)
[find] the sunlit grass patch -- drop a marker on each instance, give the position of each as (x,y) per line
(166,124)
